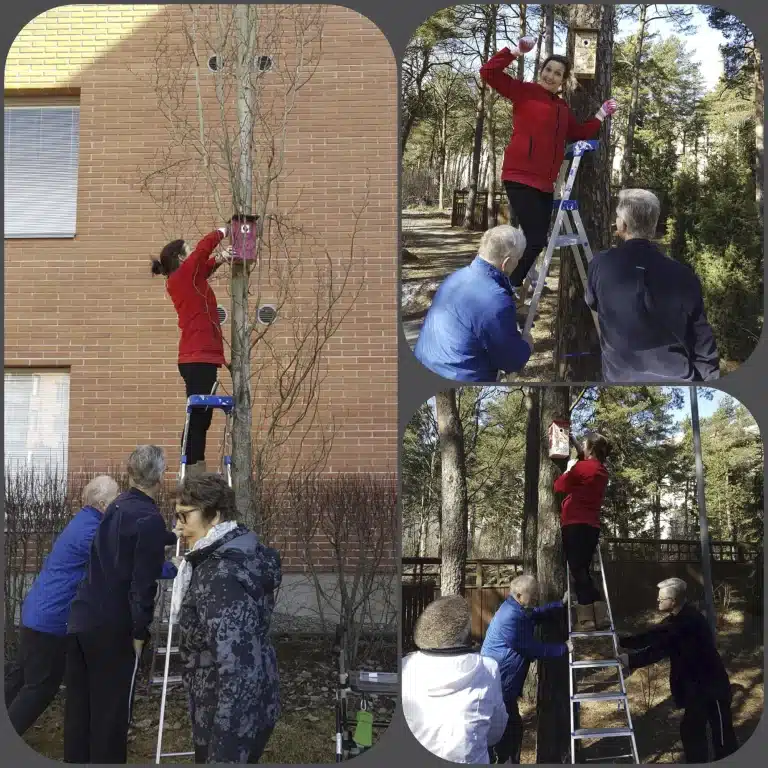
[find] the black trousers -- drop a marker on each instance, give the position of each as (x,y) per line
(533,210)
(32,682)
(199,379)
(579,544)
(693,730)
(511,742)
(260,743)
(100,679)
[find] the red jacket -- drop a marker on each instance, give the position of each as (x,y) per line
(543,123)
(585,485)
(195,302)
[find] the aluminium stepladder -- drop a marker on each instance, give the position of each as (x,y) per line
(571,239)
(619,696)
(227,405)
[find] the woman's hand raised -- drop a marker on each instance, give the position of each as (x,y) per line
(525,44)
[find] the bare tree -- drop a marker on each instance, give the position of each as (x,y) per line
(453,536)
(228,82)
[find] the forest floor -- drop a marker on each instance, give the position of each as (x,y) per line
(305,732)
(656,721)
(436,250)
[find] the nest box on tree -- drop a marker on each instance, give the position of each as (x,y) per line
(559,439)
(243,234)
(585,53)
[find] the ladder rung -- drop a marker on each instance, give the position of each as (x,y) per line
(566,205)
(595,663)
(171,679)
(225,402)
(608,757)
(563,241)
(593,633)
(176,754)
(161,651)
(608,696)
(600,733)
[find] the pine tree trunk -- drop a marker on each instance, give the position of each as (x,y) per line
(443,153)
(537,61)
(522,10)
(453,536)
(531,491)
(759,130)
(575,330)
(552,716)
(629,141)
(549,15)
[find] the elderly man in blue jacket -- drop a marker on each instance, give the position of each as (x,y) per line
(511,642)
(470,332)
(34,680)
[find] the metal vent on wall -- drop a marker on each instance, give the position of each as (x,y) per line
(259,63)
(266,314)
(223,315)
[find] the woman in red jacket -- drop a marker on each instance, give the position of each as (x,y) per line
(201,348)
(543,123)
(585,482)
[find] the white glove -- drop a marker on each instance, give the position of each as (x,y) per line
(569,645)
(608,108)
(571,463)
(224,231)
(524,45)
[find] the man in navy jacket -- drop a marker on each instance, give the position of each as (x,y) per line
(470,332)
(510,640)
(35,678)
(111,614)
(653,326)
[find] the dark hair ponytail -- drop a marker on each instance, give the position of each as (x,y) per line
(598,446)
(157,267)
(170,258)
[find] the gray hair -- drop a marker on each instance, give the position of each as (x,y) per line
(524,583)
(500,243)
(445,623)
(146,466)
(675,588)
(100,492)
(640,211)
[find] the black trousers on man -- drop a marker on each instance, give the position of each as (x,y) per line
(533,211)
(34,679)
(199,379)
(579,544)
(693,730)
(100,678)
(508,748)
(257,750)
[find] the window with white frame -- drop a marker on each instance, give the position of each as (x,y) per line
(41,148)
(36,423)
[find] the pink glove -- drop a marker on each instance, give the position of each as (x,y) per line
(525,44)
(608,108)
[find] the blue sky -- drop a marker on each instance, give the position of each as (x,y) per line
(706,407)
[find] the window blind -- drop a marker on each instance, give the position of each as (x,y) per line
(36,420)
(41,146)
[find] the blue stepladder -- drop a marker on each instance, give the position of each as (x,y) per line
(226,404)
(565,234)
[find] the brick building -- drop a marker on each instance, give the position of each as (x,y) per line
(90,337)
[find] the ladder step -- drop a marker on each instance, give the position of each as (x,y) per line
(566,205)
(595,663)
(176,754)
(608,757)
(564,241)
(225,402)
(593,633)
(600,733)
(608,696)
(161,651)
(171,679)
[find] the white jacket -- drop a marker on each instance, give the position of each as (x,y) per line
(453,704)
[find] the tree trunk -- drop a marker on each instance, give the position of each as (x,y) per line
(418,103)
(549,15)
(629,141)
(531,487)
(575,330)
(443,153)
(552,716)
(522,10)
(240,366)
(453,538)
(491,123)
(759,129)
(657,513)
(477,147)
(537,60)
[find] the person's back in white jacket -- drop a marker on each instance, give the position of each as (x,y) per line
(451,695)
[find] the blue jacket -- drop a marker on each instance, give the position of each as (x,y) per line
(46,606)
(653,325)
(470,332)
(510,640)
(126,561)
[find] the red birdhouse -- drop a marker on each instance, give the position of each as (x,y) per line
(244,237)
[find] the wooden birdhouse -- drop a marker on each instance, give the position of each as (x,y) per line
(559,440)
(244,237)
(585,53)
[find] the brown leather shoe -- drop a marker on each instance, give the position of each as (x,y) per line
(585,619)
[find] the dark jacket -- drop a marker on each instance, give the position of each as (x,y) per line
(510,640)
(230,666)
(653,325)
(470,332)
(542,125)
(46,607)
(696,670)
(195,302)
(126,560)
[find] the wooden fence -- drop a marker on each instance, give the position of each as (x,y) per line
(481,218)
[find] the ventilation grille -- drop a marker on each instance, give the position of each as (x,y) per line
(266,314)
(223,314)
